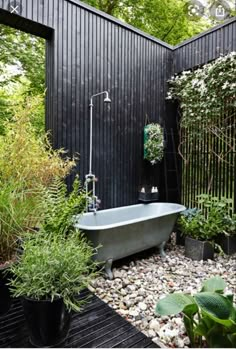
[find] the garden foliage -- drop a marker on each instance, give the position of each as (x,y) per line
(207,99)
(154,144)
(213,217)
(57,260)
(28,165)
(209,316)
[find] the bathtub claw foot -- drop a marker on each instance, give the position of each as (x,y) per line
(161,249)
(108,270)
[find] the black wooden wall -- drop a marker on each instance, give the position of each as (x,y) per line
(205,47)
(88,52)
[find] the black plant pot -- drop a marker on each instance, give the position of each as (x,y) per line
(48,322)
(180,239)
(227,243)
(5,296)
(198,250)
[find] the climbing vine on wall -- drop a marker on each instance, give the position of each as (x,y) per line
(207,108)
(207,101)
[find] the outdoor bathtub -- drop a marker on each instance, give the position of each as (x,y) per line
(126,230)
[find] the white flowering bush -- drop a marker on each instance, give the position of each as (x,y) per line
(205,95)
(207,101)
(154,145)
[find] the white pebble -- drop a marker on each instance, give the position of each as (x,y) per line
(137,288)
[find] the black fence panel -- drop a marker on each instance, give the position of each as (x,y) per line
(211,167)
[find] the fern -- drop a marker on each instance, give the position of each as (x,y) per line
(61,208)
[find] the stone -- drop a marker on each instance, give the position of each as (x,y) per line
(151,333)
(142,306)
(131,288)
(137,288)
(133,313)
(128,303)
(154,325)
(122,306)
(125,282)
(123,312)
(123,292)
(117,274)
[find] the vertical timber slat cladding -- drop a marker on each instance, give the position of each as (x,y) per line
(206,47)
(204,173)
(88,52)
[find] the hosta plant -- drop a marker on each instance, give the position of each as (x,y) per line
(209,316)
(154,143)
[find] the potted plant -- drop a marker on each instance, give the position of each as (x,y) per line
(227,239)
(153,143)
(209,316)
(27,163)
(18,214)
(56,264)
(180,226)
(198,242)
(201,227)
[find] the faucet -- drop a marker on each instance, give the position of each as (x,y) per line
(92,200)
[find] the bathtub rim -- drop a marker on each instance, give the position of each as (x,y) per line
(180,208)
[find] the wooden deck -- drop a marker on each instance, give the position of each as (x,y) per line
(97,326)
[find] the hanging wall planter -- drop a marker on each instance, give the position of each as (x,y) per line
(153,143)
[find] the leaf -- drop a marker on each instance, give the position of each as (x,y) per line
(173,304)
(215,284)
(232,339)
(216,338)
(189,311)
(216,306)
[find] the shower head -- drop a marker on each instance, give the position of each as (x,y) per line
(107,100)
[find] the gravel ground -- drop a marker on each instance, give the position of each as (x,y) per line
(141,281)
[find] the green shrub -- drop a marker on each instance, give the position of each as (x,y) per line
(57,260)
(56,266)
(211,219)
(19,212)
(28,158)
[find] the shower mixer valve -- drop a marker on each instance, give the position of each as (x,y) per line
(92,200)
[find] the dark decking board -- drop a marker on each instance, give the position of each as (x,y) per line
(97,326)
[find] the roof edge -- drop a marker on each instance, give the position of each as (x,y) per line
(120,23)
(209,31)
(146,35)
